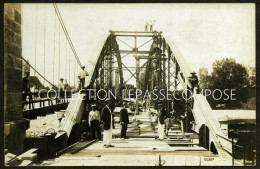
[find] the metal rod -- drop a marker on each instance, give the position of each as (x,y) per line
(232,151)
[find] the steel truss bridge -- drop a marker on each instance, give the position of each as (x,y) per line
(171,70)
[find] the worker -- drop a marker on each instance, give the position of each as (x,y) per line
(94,122)
(161,115)
(82,77)
(26,89)
(124,120)
(151,25)
(147,102)
(66,85)
(61,84)
(106,118)
(146,26)
(35,90)
(61,87)
(194,82)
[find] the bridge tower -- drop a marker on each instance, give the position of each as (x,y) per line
(15,126)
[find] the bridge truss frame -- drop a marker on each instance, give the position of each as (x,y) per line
(161,66)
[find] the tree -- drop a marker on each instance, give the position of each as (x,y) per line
(227,74)
(204,78)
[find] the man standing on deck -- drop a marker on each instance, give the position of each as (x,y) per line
(106,118)
(194,82)
(61,89)
(124,120)
(94,122)
(26,89)
(160,118)
(82,77)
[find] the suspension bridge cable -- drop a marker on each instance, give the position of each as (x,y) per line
(66,33)
(35,46)
(74,72)
(66,60)
(59,56)
(37,72)
(68,38)
(69,65)
(54,47)
(44,53)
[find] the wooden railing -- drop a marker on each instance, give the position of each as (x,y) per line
(51,97)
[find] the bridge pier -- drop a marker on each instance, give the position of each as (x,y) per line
(15,126)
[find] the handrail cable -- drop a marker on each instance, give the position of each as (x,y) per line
(37,72)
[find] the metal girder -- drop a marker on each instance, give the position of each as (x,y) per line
(131,51)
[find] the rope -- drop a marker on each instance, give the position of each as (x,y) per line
(54,47)
(66,33)
(35,47)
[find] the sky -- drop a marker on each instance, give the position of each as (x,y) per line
(202,33)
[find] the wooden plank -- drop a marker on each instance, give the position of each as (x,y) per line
(75,110)
(29,155)
(168,160)
(83,146)
(193,161)
(181,144)
(26,163)
(179,160)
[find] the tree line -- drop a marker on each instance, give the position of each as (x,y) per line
(228,74)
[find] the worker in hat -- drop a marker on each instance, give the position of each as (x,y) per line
(194,81)
(82,77)
(94,122)
(61,84)
(61,87)
(124,120)
(107,119)
(161,116)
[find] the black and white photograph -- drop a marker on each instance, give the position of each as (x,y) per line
(129,84)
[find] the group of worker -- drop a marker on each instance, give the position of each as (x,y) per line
(149,25)
(105,118)
(82,77)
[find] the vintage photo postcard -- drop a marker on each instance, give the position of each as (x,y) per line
(138,84)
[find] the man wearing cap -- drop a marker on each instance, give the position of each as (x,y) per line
(106,117)
(124,120)
(82,77)
(94,121)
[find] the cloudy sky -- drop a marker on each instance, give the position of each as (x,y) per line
(202,32)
